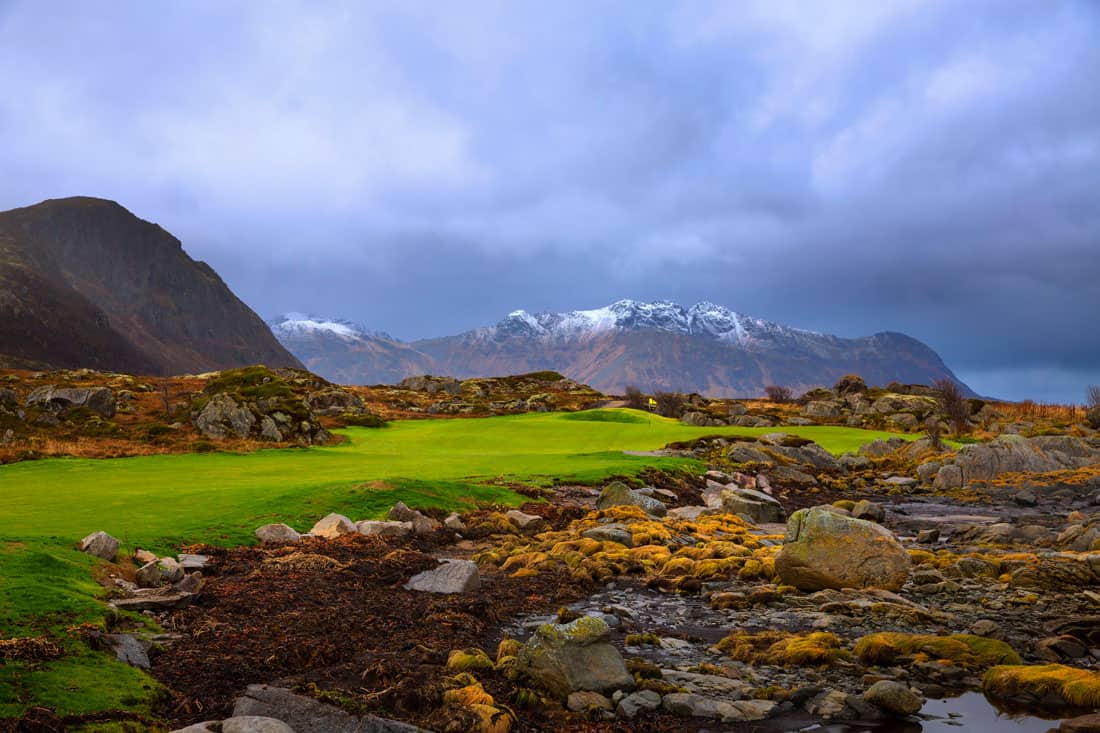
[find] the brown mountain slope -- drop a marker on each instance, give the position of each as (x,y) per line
(87,283)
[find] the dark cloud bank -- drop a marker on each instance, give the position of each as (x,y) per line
(926,167)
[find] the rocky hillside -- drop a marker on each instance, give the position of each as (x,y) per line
(85,283)
(705,348)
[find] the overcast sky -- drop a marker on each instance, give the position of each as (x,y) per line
(424,168)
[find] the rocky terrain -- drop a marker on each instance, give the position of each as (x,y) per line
(85,283)
(105,414)
(785,587)
(657,346)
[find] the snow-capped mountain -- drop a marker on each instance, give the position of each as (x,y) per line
(658,345)
(302,325)
(347,352)
(702,319)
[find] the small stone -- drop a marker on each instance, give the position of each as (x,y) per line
(894,697)
(100,544)
(333,526)
(453,576)
(144,557)
(384,528)
(611,533)
(191,562)
(642,701)
(277,534)
(191,583)
(868,510)
(1025,497)
(129,649)
(986,627)
(1083,724)
(585,699)
(454,522)
(928,536)
(148,575)
(524,520)
(170,569)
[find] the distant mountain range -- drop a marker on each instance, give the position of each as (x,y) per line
(660,345)
(85,283)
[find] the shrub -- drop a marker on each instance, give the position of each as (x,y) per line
(1092,410)
(954,405)
(779,394)
(934,432)
(366,420)
(850,384)
(634,398)
(669,404)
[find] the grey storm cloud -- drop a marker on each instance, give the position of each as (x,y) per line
(923,166)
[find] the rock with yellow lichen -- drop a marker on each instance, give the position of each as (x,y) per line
(823,549)
(566,658)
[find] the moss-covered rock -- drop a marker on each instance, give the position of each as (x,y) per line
(823,549)
(565,658)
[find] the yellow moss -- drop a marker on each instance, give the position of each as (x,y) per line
(525,573)
(463,660)
(845,504)
(819,648)
(647,639)
(964,650)
(677,566)
(922,557)
(1077,687)
(470,695)
(751,569)
(493,719)
(508,648)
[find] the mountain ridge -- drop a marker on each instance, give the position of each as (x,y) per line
(86,283)
(704,348)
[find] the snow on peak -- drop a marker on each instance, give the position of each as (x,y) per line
(704,319)
(294,324)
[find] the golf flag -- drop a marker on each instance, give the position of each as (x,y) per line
(652,402)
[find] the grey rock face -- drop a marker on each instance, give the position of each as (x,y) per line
(96,399)
(254,724)
(754,506)
(306,715)
(222,417)
(453,576)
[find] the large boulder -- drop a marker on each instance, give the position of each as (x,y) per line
(453,576)
(823,549)
(566,658)
(619,494)
(100,544)
(421,523)
(821,408)
(96,399)
(701,420)
(754,506)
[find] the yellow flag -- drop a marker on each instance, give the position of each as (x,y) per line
(652,402)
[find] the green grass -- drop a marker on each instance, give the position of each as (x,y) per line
(161,502)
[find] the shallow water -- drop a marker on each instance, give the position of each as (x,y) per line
(971,713)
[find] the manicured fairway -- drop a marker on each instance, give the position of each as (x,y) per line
(220,498)
(160,502)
